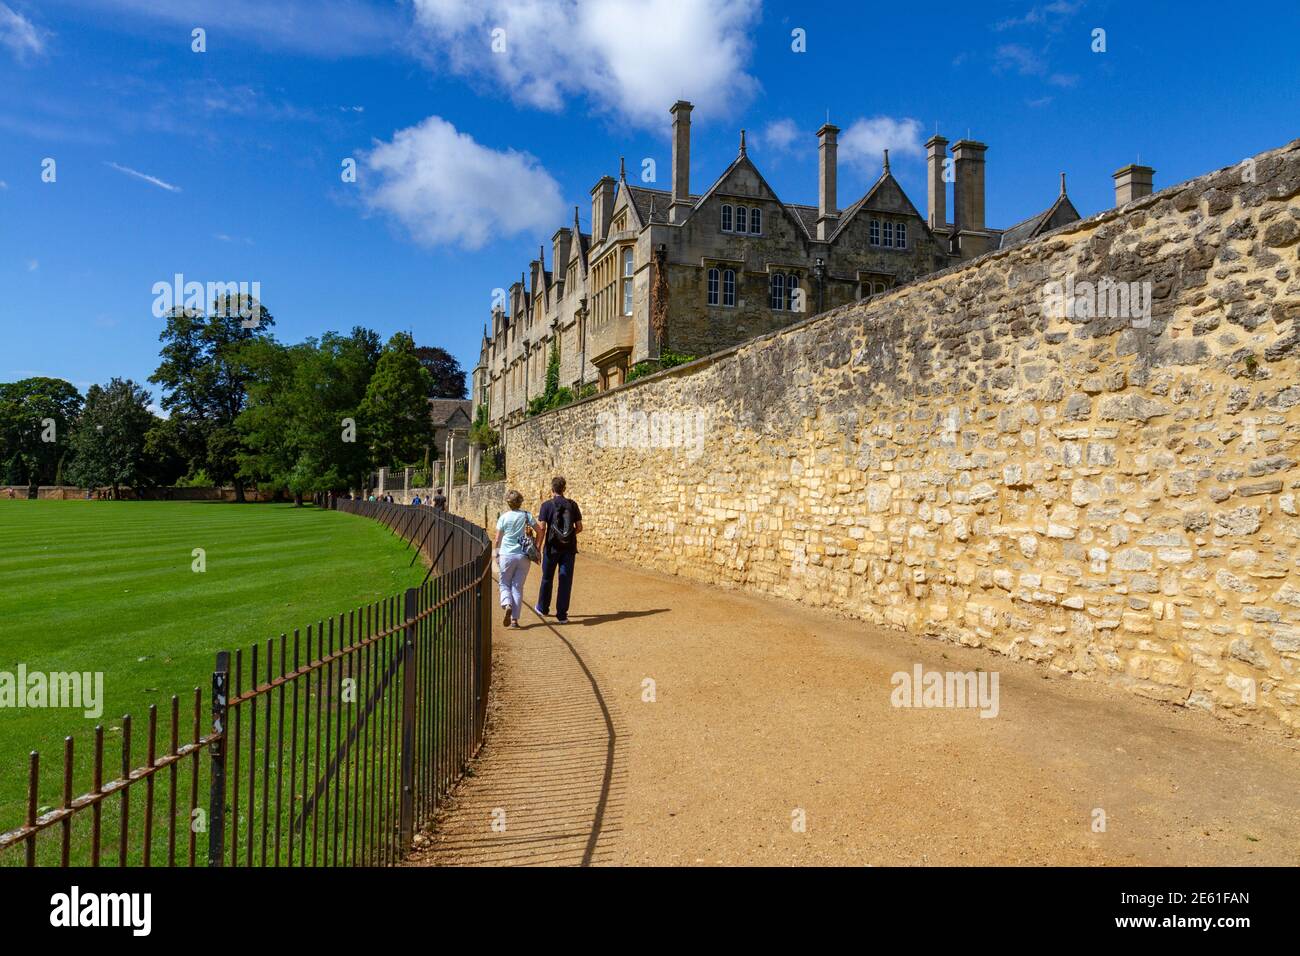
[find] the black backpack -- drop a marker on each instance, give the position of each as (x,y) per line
(562,534)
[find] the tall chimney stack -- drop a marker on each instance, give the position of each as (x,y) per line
(560,245)
(968,190)
(681,202)
(828,210)
(936,150)
(602,206)
(1132,182)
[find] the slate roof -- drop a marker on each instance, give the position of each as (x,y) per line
(807,216)
(641,196)
(662,198)
(442,410)
(1040,223)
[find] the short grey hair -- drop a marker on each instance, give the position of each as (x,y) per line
(514,499)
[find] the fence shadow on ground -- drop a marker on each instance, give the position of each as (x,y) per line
(548,788)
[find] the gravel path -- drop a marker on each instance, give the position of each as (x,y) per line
(771,739)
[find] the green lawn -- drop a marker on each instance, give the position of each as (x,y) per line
(109,586)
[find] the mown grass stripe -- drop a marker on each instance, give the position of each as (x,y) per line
(108,586)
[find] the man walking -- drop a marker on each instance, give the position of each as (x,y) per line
(439,501)
(560,519)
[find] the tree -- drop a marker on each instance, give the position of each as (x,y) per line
(448,376)
(205,381)
(301,400)
(394,416)
(266,424)
(164,454)
(36,416)
(109,442)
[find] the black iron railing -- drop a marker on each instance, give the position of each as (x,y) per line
(329,747)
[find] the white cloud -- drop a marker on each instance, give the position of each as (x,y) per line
(32,265)
(3,184)
(1013,56)
(631,58)
(18,34)
(779,135)
(864,142)
(447,189)
(1050,16)
(145,176)
(1026,62)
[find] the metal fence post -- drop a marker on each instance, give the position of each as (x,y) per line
(217,784)
(406,833)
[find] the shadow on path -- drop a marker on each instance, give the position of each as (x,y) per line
(547,788)
(588,620)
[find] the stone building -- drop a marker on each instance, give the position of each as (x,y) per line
(692,273)
(452,418)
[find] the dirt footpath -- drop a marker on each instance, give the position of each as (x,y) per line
(771,739)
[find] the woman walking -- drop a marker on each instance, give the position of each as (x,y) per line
(516,530)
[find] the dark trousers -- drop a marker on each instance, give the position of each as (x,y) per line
(550,562)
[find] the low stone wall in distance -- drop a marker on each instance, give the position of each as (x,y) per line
(71,493)
(482,503)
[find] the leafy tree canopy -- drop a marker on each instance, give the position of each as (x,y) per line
(300,425)
(394,415)
(109,442)
(448,377)
(204,380)
(36,417)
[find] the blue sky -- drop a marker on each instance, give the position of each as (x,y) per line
(225,165)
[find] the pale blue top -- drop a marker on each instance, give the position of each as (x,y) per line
(512,524)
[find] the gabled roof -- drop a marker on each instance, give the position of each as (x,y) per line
(625,191)
(1057,214)
(744,160)
(867,202)
(642,198)
(580,245)
(444,410)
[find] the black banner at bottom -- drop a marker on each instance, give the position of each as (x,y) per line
(130,907)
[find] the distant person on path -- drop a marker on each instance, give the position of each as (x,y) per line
(561,520)
(439,501)
(514,529)
(416,501)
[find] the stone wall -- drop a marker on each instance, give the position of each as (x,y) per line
(1113,497)
(71,492)
(482,503)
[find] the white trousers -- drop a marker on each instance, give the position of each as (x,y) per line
(514,570)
